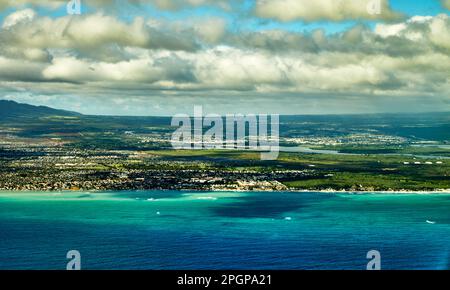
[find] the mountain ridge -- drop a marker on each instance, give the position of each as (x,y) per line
(13,109)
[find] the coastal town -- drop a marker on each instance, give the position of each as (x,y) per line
(52,165)
(58,151)
(56,168)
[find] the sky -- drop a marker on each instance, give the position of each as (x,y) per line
(163,57)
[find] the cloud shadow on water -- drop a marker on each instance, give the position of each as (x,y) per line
(267,205)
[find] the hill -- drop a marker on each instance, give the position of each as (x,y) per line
(12,110)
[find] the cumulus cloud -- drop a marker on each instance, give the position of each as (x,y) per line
(90,35)
(432,32)
(161,4)
(18,17)
(334,10)
(19,3)
(211,30)
(106,55)
(348,62)
(267,60)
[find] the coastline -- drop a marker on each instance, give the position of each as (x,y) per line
(330,191)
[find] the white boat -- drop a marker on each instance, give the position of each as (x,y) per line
(431,222)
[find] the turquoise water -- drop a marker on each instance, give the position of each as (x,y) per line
(186,230)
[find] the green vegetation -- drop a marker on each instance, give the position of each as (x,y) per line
(339,172)
(388,149)
(43,148)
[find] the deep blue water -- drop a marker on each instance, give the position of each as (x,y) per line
(185,230)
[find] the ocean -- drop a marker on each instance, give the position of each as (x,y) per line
(223,230)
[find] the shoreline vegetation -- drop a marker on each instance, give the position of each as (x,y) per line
(331,191)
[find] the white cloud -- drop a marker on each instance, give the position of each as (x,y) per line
(390,30)
(440,31)
(429,30)
(17,17)
(104,55)
(211,30)
(20,3)
(334,10)
(90,33)
(161,4)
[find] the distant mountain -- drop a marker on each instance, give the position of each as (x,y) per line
(11,110)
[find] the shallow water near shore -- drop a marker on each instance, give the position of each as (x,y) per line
(223,230)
